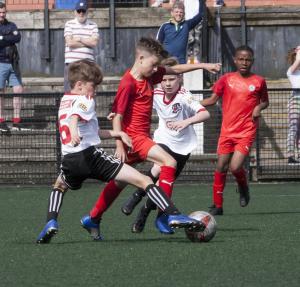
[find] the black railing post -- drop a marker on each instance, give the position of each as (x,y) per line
(112,26)
(46,32)
(204,38)
(243,23)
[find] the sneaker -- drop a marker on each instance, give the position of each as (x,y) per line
(293,161)
(131,203)
(4,127)
(50,229)
(92,228)
(20,127)
(183,221)
(244,195)
(213,210)
(140,221)
(161,223)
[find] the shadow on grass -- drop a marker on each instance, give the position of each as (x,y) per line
(171,239)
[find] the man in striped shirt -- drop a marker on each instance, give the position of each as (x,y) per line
(81,38)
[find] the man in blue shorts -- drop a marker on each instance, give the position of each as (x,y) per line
(9,68)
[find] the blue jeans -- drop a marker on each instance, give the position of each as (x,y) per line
(8,76)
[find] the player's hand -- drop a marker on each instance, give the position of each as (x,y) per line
(120,152)
(298,54)
(256,113)
(213,68)
(126,139)
(111,116)
(177,125)
(75,139)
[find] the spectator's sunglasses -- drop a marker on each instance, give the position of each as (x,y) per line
(81,11)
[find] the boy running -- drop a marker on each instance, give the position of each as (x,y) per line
(133,110)
(178,111)
(244,96)
(83,159)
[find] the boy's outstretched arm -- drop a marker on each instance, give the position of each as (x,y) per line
(184,68)
(210,101)
(197,118)
(108,134)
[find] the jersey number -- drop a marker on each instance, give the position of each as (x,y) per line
(64,131)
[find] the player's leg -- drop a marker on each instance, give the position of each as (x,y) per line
(149,150)
(219,183)
(167,163)
(160,223)
(238,171)
(54,205)
(158,196)
(136,197)
(225,151)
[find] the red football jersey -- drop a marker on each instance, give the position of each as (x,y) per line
(134,100)
(239,98)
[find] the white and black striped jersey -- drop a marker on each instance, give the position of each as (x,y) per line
(182,106)
(88,127)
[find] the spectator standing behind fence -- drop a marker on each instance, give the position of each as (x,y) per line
(9,68)
(293,139)
(173,35)
(81,38)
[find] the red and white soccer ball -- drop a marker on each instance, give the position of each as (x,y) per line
(208,233)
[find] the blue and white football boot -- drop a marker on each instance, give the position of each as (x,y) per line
(50,229)
(183,221)
(161,223)
(92,228)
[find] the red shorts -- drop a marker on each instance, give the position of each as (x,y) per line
(141,145)
(228,145)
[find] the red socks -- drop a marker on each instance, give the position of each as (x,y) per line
(218,187)
(104,201)
(240,177)
(166,179)
(16,120)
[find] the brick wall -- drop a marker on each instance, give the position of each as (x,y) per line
(25,5)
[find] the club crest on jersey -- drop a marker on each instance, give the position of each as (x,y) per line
(251,88)
(83,107)
(176,108)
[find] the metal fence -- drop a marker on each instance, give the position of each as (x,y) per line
(32,155)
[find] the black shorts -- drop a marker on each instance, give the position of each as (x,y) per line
(180,158)
(92,163)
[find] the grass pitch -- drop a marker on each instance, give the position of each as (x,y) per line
(254,246)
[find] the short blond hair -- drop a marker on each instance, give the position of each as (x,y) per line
(85,71)
(178,5)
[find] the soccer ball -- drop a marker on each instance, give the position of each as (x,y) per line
(208,233)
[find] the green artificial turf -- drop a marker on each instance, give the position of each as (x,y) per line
(254,246)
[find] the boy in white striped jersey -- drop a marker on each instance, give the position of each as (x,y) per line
(83,159)
(177,110)
(81,38)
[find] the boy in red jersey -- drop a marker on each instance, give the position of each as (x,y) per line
(83,158)
(133,110)
(244,96)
